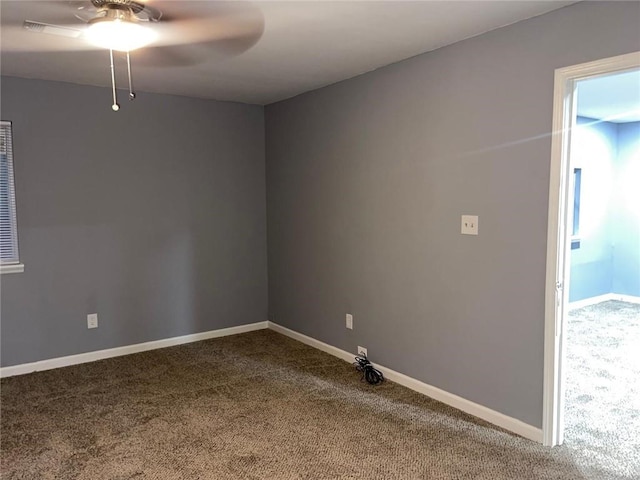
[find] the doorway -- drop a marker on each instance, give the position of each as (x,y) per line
(566,228)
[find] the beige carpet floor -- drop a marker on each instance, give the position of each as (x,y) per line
(251,406)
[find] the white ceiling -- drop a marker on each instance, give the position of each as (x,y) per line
(298,46)
(613,98)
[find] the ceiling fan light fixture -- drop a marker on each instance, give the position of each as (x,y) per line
(118,30)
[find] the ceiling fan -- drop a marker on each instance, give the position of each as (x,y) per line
(170,32)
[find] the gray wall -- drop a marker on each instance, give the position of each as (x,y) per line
(154,217)
(366,182)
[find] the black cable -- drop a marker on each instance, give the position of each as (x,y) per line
(369,373)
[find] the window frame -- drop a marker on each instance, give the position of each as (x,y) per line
(11,264)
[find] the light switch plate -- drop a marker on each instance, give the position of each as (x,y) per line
(469,225)
(92,320)
(349,321)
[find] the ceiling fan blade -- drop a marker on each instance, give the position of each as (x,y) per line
(43,37)
(52,27)
(193,54)
(60,30)
(56,12)
(188,22)
(168,56)
(214,31)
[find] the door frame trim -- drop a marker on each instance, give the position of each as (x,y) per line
(556,297)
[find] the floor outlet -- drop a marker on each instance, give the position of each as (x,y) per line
(362,351)
(349,321)
(92,320)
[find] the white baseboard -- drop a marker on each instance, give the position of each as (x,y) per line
(509,423)
(312,342)
(126,350)
(625,298)
(603,298)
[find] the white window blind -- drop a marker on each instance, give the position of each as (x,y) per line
(8,228)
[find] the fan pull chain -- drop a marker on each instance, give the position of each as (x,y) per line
(115,105)
(132,94)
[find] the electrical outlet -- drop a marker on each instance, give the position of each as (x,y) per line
(362,351)
(469,225)
(92,320)
(349,321)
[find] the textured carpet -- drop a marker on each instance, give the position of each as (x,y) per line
(602,415)
(251,406)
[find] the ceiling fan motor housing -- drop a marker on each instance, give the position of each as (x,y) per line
(135,7)
(126,10)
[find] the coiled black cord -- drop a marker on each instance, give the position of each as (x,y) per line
(369,373)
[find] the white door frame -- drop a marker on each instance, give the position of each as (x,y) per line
(558,240)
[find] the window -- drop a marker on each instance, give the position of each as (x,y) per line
(577,180)
(9,259)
